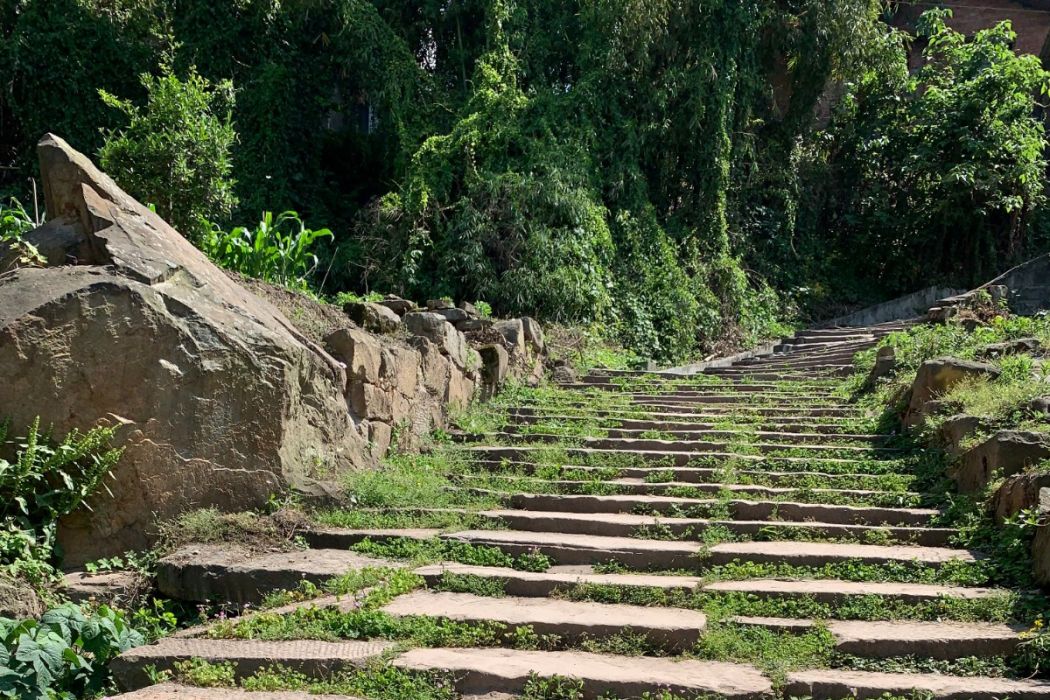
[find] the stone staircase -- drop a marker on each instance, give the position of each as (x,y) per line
(703,506)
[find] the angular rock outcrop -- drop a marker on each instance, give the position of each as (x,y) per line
(377,318)
(222,401)
(1006,453)
(937,376)
(1019,492)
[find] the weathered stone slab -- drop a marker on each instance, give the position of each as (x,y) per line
(866,685)
(212,573)
(506,670)
(668,628)
(535,584)
(833,591)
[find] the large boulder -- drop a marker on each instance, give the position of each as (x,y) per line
(1006,453)
(222,401)
(935,377)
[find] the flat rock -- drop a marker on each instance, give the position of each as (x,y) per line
(938,640)
(341,538)
(669,628)
(248,656)
(214,573)
(830,591)
(820,553)
(867,685)
(588,549)
(505,670)
(528,583)
(744,509)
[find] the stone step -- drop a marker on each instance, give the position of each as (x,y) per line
(827,591)
(666,555)
(313,658)
(692,388)
(866,685)
(712,475)
(480,671)
(831,591)
(701,397)
(641,487)
(885,639)
(830,430)
(934,640)
(219,573)
(821,553)
(631,414)
(786,492)
(628,525)
(713,411)
(709,435)
(170,691)
(668,458)
(541,585)
(670,629)
(741,509)
(692,446)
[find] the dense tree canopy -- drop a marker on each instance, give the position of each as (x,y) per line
(683,172)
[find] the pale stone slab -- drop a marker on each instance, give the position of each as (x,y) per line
(670,628)
(528,583)
(866,685)
(628,525)
(506,670)
(938,640)
(828,591)
(820,553)
(588,549)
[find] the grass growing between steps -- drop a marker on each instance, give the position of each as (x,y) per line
(719,605)
(434,550)
(375,682)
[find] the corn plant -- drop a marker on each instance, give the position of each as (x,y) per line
(277,250)
(15,223)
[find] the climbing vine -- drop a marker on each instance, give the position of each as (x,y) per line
(683,173)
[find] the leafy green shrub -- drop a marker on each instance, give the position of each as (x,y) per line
(45,482)
(64,656)
(15,221)
(278,249)
(174,153)
(939,170)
